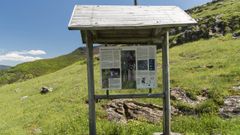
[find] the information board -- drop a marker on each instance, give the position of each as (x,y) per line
(128,67)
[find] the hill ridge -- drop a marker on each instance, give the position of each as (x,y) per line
(29,70)
(4,67)
(215,19)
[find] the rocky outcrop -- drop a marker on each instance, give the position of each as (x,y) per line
(120,110)
(231,107)
(207,27)
(210,26)
(180,95)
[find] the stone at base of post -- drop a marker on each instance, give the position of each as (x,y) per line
(158,133)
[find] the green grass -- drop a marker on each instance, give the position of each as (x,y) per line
(30,70)
(226,8)
(64,110)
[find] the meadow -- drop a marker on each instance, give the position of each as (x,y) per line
(64,111)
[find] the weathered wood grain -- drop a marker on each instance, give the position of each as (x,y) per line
(94,17)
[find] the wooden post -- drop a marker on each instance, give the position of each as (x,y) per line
(135,2)
(91,91)
(166,87)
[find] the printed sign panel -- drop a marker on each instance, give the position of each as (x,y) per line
(128,67)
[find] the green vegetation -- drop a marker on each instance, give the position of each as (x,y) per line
(37,68)
(226,8)
(64,111)
(205,64)
(215,19)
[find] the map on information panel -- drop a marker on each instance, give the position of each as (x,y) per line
(128,67)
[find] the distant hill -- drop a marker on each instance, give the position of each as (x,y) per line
(216,18)
(37,68)
(2,67)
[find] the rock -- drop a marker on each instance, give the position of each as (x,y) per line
(204,66)
(86,101)
(209,66)
(205,92)
(24,97)
(158,133)
(214,1)
(236,88)
(45,90)
(17,90)
(181,95)
(203,96)
(37,131)
(120,110)
(231,107)
(236,35)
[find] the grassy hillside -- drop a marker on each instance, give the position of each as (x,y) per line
(214,19)
(226,8)
(30,70)
(64,111)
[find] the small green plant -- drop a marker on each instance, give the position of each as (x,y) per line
(207,107)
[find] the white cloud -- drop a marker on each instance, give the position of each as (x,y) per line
(30,52)
(36,52)
(21,56)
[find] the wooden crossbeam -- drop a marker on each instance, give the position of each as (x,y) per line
(126,96)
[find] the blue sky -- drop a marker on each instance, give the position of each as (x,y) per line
(35,29)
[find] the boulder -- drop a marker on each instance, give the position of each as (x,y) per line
(45,90)
(236,35)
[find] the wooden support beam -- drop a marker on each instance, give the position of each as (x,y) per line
(125,96)
(128,41)
(91,91)
(135,2)
(158,32)
(166,86)
(94,34)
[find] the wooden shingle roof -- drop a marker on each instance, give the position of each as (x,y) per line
(109,23)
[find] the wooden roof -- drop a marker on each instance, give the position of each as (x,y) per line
(122,23)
